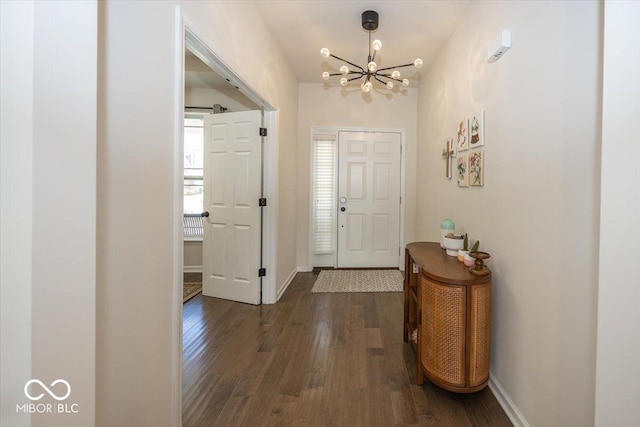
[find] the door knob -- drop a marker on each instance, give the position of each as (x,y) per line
(342,209)
(204,214)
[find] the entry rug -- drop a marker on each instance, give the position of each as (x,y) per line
(190,290)
(358,281)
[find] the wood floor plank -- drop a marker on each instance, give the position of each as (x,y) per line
(313,360)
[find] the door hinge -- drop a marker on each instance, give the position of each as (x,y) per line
(262,201)
(263,131)
(262,272)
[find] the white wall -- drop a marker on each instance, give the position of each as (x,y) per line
(192,256)
(51,203)
(320,106)
(537,213)
(16,204)
(618,371)
(137,382)
(135,330)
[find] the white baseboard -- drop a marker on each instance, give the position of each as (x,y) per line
(286,283)
(304,269)
(510,408)
(192,269)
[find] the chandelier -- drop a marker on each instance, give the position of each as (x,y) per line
(371,72)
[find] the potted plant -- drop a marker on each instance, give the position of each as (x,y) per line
(465,248)
(469,260)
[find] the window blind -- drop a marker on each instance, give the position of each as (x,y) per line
(324,214)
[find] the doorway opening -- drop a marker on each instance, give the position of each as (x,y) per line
(205,74)
(238,92)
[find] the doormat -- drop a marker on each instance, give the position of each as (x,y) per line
(190,290)
(358,281)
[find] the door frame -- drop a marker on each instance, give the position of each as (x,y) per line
(187,35)
(335,130)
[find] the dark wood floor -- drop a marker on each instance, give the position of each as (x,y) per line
(313,360)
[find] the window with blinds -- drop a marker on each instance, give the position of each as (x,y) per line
(324,197)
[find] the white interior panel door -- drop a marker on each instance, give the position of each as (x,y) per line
(368,199)
(232,188)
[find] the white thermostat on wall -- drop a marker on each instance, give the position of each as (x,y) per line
(499,47)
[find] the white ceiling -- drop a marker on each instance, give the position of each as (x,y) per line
(407,29)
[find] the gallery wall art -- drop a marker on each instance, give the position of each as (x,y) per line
(462,163)
(476,130)
(463,135)
(468,166)
(476,168)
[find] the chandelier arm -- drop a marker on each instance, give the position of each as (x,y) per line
(356,78)
(388,76)
(397,66)
(376,77)
(350,63)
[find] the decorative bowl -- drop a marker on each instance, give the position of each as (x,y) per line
(453,245)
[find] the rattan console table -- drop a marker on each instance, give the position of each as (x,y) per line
(447,318)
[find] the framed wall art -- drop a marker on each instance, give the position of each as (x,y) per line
(462,140)
(476,130)
(476,168)
(462,169)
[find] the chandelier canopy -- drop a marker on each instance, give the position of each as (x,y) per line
(371,72)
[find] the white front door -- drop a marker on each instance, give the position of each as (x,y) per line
(232,188)
(369,199)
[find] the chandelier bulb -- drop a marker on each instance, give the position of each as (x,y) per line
(343,81)
(405,82)
(395,74)
(344,69)
(366,87)
(377,45)
(417,63)
(325,52)
(372,66)
(390,84)
(325,75)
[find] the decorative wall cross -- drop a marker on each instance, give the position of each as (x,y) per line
(448,153)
